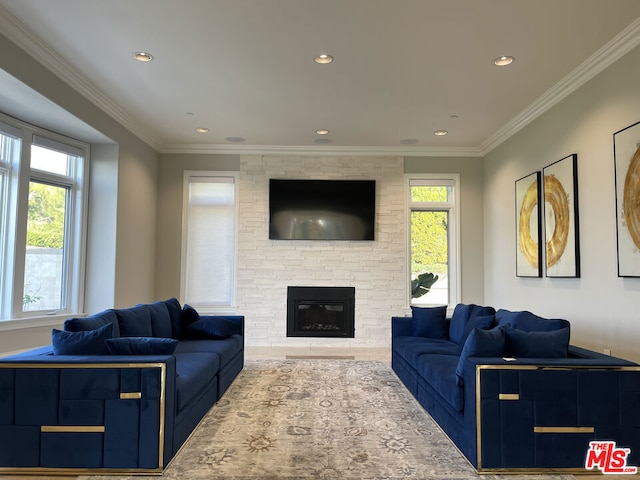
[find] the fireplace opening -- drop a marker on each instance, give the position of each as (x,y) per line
(320,312)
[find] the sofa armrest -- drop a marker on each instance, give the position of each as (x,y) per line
(401,327)
(86,413)
(537,417)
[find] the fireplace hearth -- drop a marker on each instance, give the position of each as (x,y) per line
(320,312)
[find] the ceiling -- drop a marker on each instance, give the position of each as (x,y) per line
(245,69)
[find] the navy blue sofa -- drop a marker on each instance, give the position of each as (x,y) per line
(117,392)
(512,393)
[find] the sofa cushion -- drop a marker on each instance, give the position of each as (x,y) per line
(93,322)
(551,344)
(135,321)
(410,348)
(430,322)
(482,321)
(439,371)
(481,343)
(89,342)
(189,315)
(461,316)
(226,348)
(175,317)
(160,320)
(529,322)
(194,371)
(213,327)
(141,346)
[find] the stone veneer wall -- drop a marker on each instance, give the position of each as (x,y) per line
(266,267)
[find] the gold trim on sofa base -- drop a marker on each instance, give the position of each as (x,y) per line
(95,428)
(542,430)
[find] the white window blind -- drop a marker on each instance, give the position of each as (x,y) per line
(209,235)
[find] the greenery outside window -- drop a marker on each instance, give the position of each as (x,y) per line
(433,240)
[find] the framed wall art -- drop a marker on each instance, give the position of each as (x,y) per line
(626,153)
(528,227)
(562,246)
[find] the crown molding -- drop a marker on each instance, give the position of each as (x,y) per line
(320,151)
(25,39)
(616,48)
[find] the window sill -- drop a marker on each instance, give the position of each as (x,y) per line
(30,322)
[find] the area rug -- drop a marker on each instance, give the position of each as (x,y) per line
(320,419)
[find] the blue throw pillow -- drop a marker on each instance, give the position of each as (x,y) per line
(213,328)
(481,343)
(461,316)
(521,344)
(189,315)
(430,322)
(483,322)
(93,322)
(135,321)
(89,342)
(141,346)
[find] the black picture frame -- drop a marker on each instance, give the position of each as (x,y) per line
(561,220)
(626,157)
(528,226)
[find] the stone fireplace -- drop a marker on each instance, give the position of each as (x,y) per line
(320,312)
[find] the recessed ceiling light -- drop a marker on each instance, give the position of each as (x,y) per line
(323,58)
(143,56)
(409,141)
(440,133)
(322,140)
(322,131)
(503,61)
(235,139)
(202,130)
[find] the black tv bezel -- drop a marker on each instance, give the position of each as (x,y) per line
(371,220)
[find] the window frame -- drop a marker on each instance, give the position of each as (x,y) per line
(13,240)
(210,308)
(453,207)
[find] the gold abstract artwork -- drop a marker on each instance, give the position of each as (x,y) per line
(528,246)
(556,197)
(631,199)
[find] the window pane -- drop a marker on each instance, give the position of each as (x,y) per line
(429,193)
(44,263)
(49,160)
(430,253)
(210,242)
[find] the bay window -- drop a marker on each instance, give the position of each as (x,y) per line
(42,230)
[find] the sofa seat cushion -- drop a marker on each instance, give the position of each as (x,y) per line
(439,371)
(194,372)
(226,348)
(410,348)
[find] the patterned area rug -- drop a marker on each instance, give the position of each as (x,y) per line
(320,419)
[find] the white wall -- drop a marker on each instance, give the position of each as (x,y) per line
(128,236)
(602,308)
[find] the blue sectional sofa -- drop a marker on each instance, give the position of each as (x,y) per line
(117,392)
(512,393)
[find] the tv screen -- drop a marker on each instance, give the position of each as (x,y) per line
(322,209)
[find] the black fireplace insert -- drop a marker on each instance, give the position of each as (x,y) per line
(320,312)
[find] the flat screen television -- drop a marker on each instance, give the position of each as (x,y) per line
(322,209)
